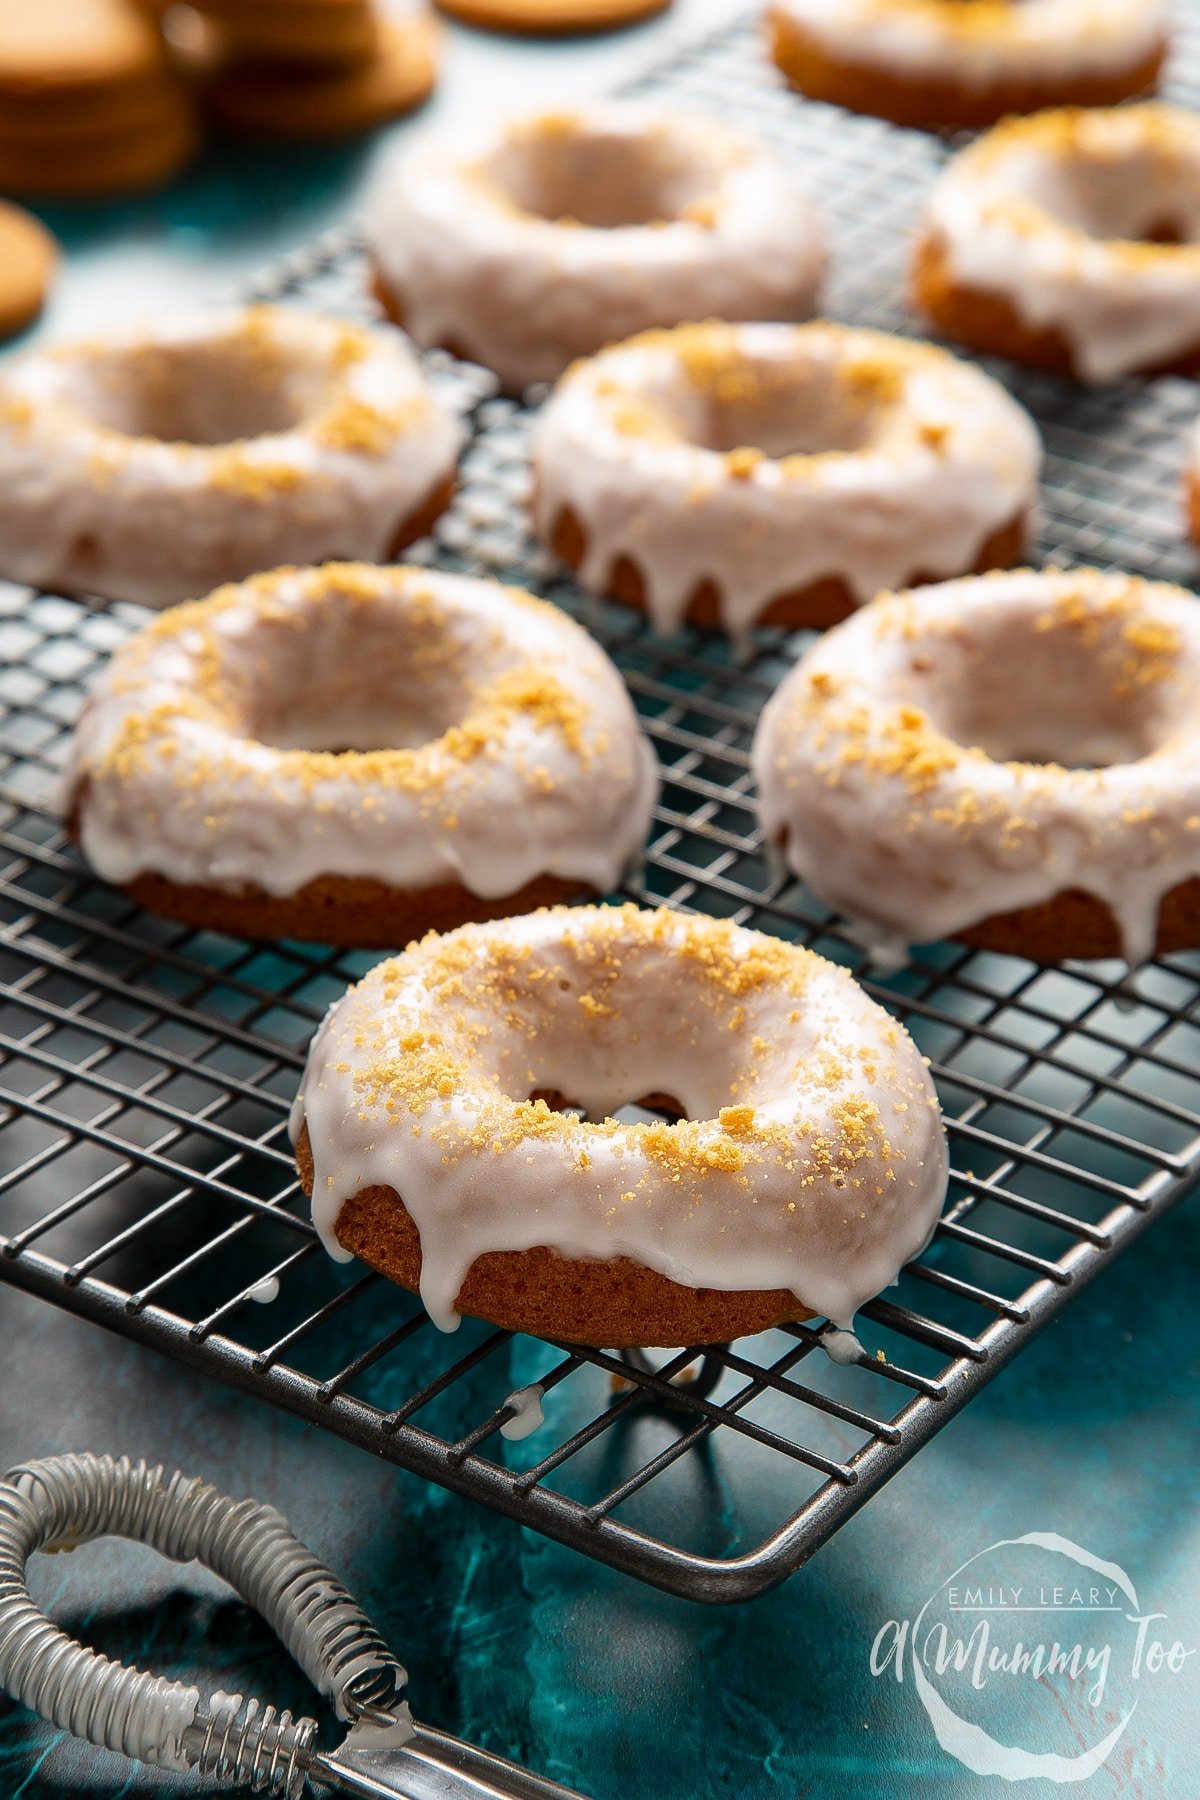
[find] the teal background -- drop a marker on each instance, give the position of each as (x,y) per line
(624,1693)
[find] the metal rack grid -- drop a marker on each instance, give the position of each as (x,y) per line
(146,1070)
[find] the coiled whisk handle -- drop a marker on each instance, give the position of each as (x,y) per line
(63,1501)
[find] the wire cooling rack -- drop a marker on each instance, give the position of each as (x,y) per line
(145,1176)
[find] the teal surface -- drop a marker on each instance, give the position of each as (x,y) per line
(623,1693)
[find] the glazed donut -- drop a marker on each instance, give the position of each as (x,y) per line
(778,474)
(1071,240)
(356,754)
(940,64)
(809,1165)
(1012,760)
(150,464)
(544,238)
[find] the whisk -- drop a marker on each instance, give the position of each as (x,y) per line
(230,1740)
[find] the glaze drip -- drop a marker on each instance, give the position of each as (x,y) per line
(896,763)
(288,437)
(764,458)
(535,241)
(511,747)
(1059,214)
(987,42)
(811,1157)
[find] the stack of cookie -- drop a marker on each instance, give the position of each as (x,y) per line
(87,104)
(551,18)
(309,68)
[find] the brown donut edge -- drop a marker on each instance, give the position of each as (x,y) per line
(1078,926)
(1191,504)
(353,911)
(420,522)
(411,528)
(814,607)
(394,308)
(614,1305)
(930,104)
(990,323)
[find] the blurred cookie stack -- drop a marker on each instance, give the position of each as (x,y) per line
(305,68)
(88,105)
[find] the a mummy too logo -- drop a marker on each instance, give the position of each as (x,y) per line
(1031,1659)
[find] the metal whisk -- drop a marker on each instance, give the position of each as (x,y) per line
(230,1740)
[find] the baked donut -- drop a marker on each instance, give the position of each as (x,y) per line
(539,240)
(149,464)
(809,1164)
(1071,240)
(778,474)
(356,754)
(1012,760)
(943,64)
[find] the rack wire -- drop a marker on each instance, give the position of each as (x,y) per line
(146,1069)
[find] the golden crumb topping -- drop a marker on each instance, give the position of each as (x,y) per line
(355,425)
(215,707)
(441,1040)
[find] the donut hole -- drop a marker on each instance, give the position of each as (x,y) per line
(354,723)
(1065,694)
(606,181)
(1020,731)
(624,1040)
(347,677)
(218,390)
(798,407)
(1140,196)
(648,1109)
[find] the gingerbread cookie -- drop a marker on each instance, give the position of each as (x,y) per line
(58,47)
(316,31)
(297,101)
(28,255)
(87,103)
(551,18)
(85,167)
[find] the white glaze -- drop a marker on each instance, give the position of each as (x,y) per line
(527,1414)
(451,236)
(863,775)
(945,459)
(289,438)
(984,44)
(1046,213)
(842,1347)
(826,1176)
(176,765)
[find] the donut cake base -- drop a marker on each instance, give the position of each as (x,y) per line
(340,909)
(821,603)
(990,323)
(1191,502)
(1075,925)
(614,1305)
(393,308)
(932,104)
(421,522)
